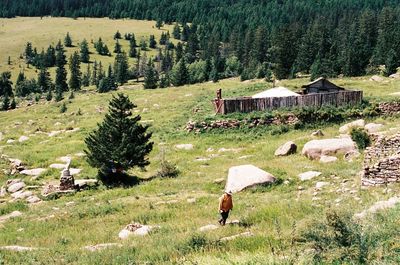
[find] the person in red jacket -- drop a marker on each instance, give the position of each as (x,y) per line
(225,205)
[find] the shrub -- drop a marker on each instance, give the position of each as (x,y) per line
(168,170)
(360,137)
(63,108)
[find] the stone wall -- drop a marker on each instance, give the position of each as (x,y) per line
(382,161)
(389,108)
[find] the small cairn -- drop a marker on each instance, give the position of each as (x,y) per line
(67,181)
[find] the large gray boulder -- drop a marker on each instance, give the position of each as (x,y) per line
(355,124)
(16,187)
(316,148)
(286,149)
(241,177)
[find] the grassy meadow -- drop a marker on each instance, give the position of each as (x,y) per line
(41,32)
(274,214)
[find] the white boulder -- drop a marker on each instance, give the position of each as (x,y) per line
(373,127)
(16,187)
(136,229)
(10,215)
(21,194)
(316,148)
(355,124)
(23,139)
(33,172)
(309,175)
(57,166)
(321,184)
(327,159)
(376,78)
(286,149)
(184,146)
(380,205)
(241,177)
(208,228)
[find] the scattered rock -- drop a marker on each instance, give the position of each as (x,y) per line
(33,172)
(75,171)
(21,194)
(65,159)
(202,159)
(57,166)
(321,184)
(355,124)
(327,159)
(317,133)
(57,124)
(241,177)
(136,229)
(316,148)
(10,141)
(23,139)
(18,248)
(380,205)
(219,181)
(208,228)
(395,76)
(286,149)
(98,247)
(234,150)
(349,156)
(376,78)
(54,133)
(373,127)
(16,187)
(80,154)
(245,234)
(82,183)
(10,215)
(191,200)
(309,175)
(3,192)
(33,199)
(245,157)
(184,146)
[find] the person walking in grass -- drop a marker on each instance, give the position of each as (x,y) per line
(225,205)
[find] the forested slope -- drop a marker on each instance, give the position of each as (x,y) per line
(349,37)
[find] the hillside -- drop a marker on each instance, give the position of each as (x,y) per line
(274,214)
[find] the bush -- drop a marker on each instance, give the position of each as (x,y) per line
(63,108)
(168,170)
(360,137)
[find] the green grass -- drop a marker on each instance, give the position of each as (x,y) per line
(273,213)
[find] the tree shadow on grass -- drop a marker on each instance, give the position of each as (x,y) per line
(120,179)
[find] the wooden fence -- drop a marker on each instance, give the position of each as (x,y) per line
(247,104)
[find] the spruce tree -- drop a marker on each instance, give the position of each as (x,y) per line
(61,72)
(119,143)
(159,23)
(68,40)
(150,76)
(75,70)
(132,49)
(13,104)
(390,63)
(121,68)
(84,52)
(44,80)
(6,84)
(29,55)
(152,42)
(117,47)
(117,35)
(6,103)
(180,74)
(176,32)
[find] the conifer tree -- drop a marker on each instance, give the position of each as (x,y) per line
(121,68)
(61,73)
(13,104)
(29,55)
(152,42)
(150,76)
(180,74)
(6,103)
(44,80)
(75,70)
(185,32)
(6,85)
(132,49)
(119,143)
(117,47)
(391,63)
(68,40)
(143,45)
(117,35)
(176,32)
(84,52)
(159,23)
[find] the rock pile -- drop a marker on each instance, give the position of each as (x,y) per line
(382,161)
(16,189)
(195,126)
(389,108)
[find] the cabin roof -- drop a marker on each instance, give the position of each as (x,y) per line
(322,83)
(276,92)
